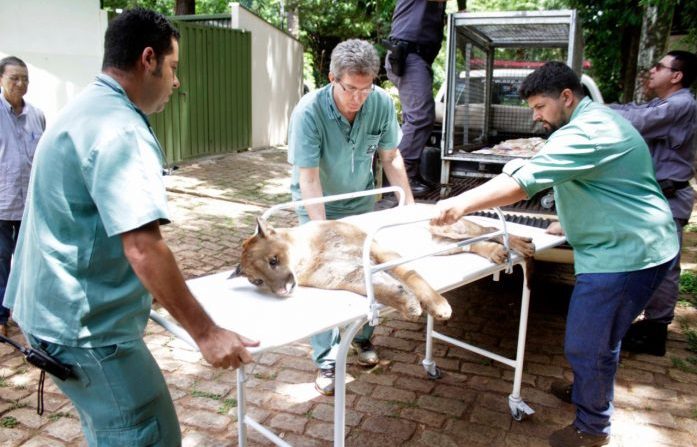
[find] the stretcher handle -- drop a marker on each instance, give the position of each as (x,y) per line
(350,195)
(368,270)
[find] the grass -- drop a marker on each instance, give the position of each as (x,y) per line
(688,287)
(228,404)
(8,422)
(207,395)
(55,416)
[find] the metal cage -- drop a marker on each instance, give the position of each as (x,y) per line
(488,56)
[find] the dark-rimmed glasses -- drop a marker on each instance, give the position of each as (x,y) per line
(659,65)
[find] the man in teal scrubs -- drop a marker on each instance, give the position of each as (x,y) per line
(333,137)
(90,252)
(616,219)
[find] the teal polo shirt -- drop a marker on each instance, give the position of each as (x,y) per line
(607,197)
(97,173)
(319,136)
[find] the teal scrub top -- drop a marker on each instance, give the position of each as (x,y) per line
(97,174)
(320,136)
(607,197)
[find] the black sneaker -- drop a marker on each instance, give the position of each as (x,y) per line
(646,337)
(562,390)
(418,188)
(570,436)
(324,382)
(366,353)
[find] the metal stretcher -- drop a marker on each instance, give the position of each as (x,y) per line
(239,306)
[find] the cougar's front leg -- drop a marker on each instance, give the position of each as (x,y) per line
(432,301)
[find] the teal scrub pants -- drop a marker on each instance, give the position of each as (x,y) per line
(119,392)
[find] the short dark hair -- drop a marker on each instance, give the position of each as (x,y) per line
(550,80)
(10,60)
(133,31)
(685,62)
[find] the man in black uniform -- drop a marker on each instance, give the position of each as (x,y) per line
(414,43)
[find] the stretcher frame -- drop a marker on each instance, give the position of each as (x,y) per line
(354,312)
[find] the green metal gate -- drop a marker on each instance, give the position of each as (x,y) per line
(211,112)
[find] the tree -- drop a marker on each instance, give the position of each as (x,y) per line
(185,7)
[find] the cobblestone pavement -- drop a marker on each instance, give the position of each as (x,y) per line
(214,203)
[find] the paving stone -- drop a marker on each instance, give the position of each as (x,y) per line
(43,441)
(11,437)
(66,429)
(324,412)
(421,416)
(452,407)
(288,422)
(203,420)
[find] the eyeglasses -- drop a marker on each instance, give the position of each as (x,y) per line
(658,66)
(362,92)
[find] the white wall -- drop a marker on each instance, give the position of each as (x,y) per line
(61,41)
(277,76)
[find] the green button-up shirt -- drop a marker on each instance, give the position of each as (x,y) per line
(97,174)
(320,136)
(608,200)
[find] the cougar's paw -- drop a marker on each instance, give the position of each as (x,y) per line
(441,311)
(498,255)
(412,310)
(524,246)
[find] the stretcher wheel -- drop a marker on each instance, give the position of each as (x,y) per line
(518,415)
(435,375)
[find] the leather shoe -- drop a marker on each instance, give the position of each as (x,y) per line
(418,188)
(646,337)
(324,382)
(570,436)
(562,390)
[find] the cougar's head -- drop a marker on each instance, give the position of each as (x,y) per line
(265,261)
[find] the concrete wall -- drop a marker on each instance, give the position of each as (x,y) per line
(277,76)
(61,42)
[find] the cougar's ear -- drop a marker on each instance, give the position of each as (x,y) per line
(264,230)
(238,272)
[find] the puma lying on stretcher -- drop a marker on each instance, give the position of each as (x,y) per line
(328,255)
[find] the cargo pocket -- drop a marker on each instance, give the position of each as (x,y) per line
(141,435)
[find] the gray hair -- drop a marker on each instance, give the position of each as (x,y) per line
(11,60)
(354,56)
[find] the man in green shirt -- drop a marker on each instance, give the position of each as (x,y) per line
(333,137)
(616,219)
(90,256)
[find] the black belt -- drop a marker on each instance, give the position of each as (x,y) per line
(676,185)
(428,52)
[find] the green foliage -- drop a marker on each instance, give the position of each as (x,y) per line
(228,404)
(8,422)
(688,283)
(166,7)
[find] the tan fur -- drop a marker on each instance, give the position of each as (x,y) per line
(328,255)
(491,249)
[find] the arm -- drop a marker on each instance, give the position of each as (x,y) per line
(393,164)
(310,188)
(155,266)
(499,191)
(652,120)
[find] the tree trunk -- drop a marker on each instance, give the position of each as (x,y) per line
(628,64)
(293,22)
(655,31)
(185,7)
(461,5)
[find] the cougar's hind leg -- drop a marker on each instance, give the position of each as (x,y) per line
(432,301)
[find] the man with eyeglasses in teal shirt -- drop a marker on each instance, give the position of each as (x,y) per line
(334,134)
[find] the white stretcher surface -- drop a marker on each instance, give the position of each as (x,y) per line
(237,305)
